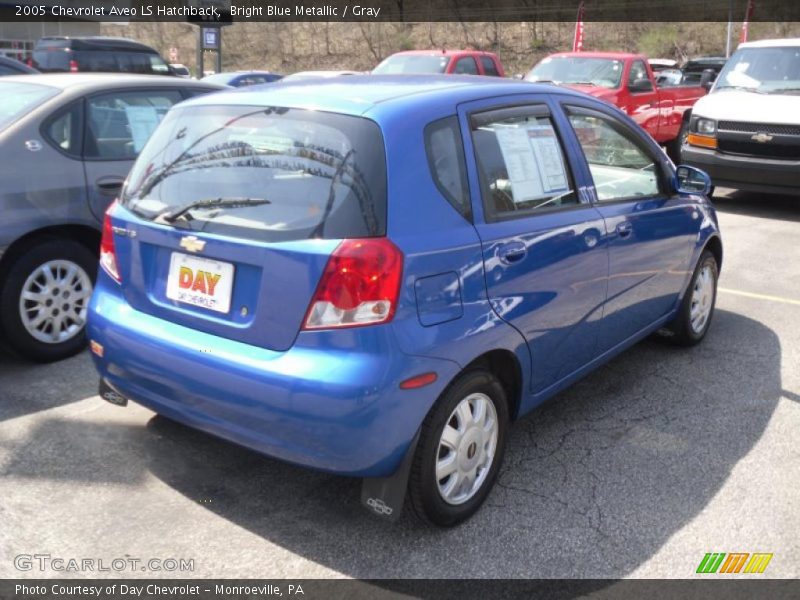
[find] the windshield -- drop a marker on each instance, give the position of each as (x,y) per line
(21,98)
(412,63)
(766,70)
(264,173)
(603,72)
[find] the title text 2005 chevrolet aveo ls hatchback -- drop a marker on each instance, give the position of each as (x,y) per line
(375,277)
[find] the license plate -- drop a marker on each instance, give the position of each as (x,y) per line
(200,282)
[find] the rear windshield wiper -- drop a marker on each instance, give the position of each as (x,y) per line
(183,213)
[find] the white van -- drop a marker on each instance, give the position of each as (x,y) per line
(746,132)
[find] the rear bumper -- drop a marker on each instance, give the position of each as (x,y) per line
(331,402)
(750,173)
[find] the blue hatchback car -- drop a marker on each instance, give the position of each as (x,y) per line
(375,276)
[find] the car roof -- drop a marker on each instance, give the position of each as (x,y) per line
(441,52)
(616,55)
(358,94)
(791,42)
(99,42)
(91,81)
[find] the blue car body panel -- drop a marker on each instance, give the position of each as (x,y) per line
(331,399)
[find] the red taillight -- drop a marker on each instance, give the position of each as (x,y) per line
(359,287)
(73,66)
(108,256)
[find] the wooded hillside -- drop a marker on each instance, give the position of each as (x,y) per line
(289,47)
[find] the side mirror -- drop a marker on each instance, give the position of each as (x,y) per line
(640,85)
(707,79)
(689,180)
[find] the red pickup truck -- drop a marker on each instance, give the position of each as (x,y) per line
(451,62)
(626,80)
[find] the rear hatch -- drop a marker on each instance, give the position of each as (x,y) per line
(231,213)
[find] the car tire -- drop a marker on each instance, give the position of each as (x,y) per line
(474,410)
(697,308)
(674,147)
(57,276)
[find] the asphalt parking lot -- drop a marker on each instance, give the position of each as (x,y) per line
(637,471)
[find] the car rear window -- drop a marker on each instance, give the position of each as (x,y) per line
(412,63)
(319,174)
(56,59)
(20,98)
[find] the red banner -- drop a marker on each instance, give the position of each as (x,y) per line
(746,25)
(577,42)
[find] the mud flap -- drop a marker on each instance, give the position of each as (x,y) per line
(384,496)
(111,395)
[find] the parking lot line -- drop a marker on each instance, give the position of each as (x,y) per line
(760,296)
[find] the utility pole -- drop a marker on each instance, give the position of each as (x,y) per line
(728,36)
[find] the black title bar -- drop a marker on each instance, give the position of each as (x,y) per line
(219,11)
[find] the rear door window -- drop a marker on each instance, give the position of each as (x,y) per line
(521,163)
(120,123)
(296,174)
(99,62)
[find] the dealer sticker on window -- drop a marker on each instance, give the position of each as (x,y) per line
(200,282)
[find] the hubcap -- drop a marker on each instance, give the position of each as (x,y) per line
(54,301)
(466,449)
(702,299)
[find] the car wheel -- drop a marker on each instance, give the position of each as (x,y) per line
(674,147)
(45,299)
(461,447)
(697,308)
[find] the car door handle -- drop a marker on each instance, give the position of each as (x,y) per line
(624,229)
(512,252)
(109,185)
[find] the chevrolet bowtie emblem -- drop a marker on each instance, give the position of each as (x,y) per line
(761,138)
(192,244)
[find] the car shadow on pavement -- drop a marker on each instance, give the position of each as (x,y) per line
(593,484)
(24,391)
(753,204)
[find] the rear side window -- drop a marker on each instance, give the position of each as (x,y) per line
(466,66)
(100,62)
(121,122)
(489,67)
(521,163)
(299,174)
(446,160)
(64,130)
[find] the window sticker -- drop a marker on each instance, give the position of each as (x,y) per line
(143,120)
(533,161)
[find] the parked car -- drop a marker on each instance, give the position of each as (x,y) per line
(458,62)
(318,75)
(10,66)
(243,78)
(378,287)
(746,132)
(97,54)
(693,69)
(626,81)
(180,70)
(66,145)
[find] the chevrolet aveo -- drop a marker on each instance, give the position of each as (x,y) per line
(375,277)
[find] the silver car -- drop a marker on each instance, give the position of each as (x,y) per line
(67,142)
